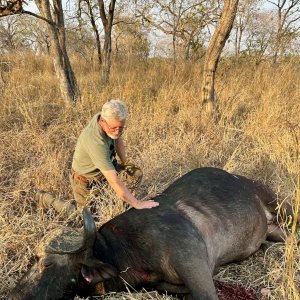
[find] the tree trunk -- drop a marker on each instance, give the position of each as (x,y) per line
(238,41)
(107,58)
(213,54)
(62,65)
(96,32)
(56,28)
(107,22)
(174,51)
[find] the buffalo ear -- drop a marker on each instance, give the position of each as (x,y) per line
(95,271)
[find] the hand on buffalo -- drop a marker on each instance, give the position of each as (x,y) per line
(146,204)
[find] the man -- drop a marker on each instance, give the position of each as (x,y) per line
(94,156)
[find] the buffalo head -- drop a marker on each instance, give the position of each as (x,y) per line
(65,266)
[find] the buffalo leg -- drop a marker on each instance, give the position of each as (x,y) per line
(197,277)
(276,234)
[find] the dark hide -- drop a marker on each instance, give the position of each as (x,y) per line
(205,219)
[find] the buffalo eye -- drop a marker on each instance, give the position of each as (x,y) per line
(47,263)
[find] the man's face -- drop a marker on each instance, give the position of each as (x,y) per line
(113,128)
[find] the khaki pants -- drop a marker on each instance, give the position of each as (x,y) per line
(80,190)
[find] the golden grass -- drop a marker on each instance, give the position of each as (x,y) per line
(257,135)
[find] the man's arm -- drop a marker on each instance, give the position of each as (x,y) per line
(123,193)
(120,149)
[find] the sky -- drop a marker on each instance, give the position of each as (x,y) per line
(32,7)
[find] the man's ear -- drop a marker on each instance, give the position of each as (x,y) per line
(101,120)
(95,271)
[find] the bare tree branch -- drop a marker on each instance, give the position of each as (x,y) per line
(38,17)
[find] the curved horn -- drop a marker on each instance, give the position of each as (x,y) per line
(90,230)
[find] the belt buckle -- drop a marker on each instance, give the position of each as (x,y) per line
(79,177)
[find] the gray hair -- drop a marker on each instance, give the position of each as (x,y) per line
(114,110)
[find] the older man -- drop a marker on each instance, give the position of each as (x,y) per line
(94,156)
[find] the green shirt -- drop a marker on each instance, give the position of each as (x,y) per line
(94,150)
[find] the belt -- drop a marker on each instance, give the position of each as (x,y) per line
(79,177)
(84,179)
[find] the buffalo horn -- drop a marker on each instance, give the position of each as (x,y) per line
(89,229)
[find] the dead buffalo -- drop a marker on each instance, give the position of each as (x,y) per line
(206,218)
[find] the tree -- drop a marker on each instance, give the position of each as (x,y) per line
(213,53)
(184,20)
(54,16)
(131,40)
(245,13)
(107,18)
(90,13)
(81,41)
(40,39)
(23,34)
(11,35)
(57,33)
(288,16)
(258,35)
(95,10)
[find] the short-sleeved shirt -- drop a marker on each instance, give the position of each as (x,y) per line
(94,150)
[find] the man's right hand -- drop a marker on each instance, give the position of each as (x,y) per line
(145,204)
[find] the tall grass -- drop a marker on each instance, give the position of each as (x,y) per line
(257,135)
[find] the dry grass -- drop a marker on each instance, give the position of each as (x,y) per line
(257,135)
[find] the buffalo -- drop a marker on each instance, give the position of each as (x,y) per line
(206,218)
